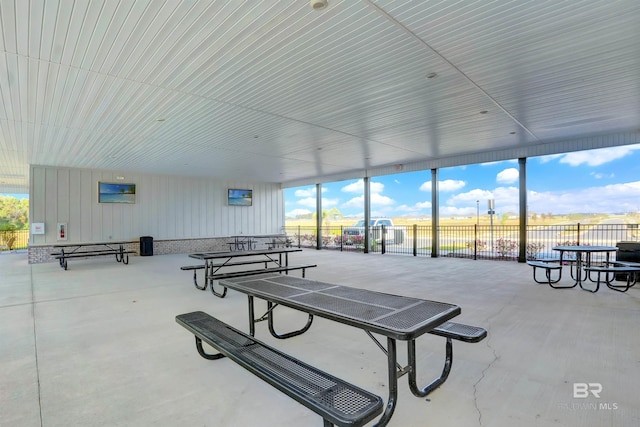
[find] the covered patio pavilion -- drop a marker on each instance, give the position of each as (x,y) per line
(184,101)
(98,345)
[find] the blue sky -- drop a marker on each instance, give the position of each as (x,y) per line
(595,181)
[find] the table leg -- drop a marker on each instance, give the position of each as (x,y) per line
(206,275)
(61,260)
(393,383)
(552,283)
(252,317)
(577,276)
(216,293)
(270,308)
(622,288)
(448,362)
(586,274)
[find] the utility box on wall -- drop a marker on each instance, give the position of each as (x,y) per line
(146,246)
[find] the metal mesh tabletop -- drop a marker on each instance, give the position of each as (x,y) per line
(391,315)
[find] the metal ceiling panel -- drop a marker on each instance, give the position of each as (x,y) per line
(277,92)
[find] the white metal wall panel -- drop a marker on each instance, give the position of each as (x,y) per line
(37,202)
(166,207)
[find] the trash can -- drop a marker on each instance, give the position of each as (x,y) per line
(146,246)
(627,251)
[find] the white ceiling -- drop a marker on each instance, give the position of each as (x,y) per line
(274,91)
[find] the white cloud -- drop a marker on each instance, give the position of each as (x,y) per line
(376,200)
(612,198)
(602,175)
(380,200)
(507,199)
(426,186)
(307,192)
(470,197)
(619,198)
(508,176)
(354,203)
(451,185)
(599,156)
(445,185)
(309,201)
(358,187)
(455,211)
(329,203)
(418,208)
(549,157)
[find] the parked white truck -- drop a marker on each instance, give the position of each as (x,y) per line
(392,234)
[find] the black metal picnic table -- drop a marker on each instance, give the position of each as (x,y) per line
(583,261)
(214,261)
(393,316)
(91,249)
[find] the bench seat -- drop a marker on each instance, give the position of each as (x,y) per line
(629,270)
(336,401)
(553,265)
(460,332)
(192,267)
(228,264)
(451,331)
(279,269)
(548,267)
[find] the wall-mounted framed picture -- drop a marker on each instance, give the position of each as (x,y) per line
(116,192)
(239,197)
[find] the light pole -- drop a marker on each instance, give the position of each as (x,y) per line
(477,212)
(492,211)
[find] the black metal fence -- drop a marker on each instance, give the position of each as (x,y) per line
(464,241)
(500,242)
(17,239)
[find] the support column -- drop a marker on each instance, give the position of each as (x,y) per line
(524,214)
(367,212)
(435,214)
(319,216)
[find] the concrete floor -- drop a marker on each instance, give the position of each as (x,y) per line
(98,345)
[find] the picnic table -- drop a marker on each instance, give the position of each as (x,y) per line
(392,316)
(242,243)
(583,261)
(91,249)
(215,261)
